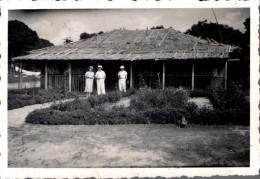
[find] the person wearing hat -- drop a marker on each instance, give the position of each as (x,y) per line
(89,77)
(122,77)
(100,79)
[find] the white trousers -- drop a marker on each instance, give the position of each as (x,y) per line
(122,84)
(101,86)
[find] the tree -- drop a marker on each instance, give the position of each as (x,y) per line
(22,39)
(219,32)
(67,41)
(247,37)
(158,27)
(85,35)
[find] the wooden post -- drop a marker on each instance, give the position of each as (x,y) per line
(163,76)
(192,76)
(20,86)
(226,66)
(131,74)
(46,76)
(69,76)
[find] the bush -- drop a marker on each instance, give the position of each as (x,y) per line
(76,104)
(114,96)
(129,92)
(164,115)
(24,97)
(97,100)
(231,98)
(160,110)
(170,97)
(207,116)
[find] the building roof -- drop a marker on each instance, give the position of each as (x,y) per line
(130,45)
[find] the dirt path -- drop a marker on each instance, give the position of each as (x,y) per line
(201,102)
(16,117)
(127,146)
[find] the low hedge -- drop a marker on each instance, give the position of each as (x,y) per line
(93,116)
(207,116)
(25,97)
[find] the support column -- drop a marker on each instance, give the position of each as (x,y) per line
(69,76)
(131,74)
(163,76)
(226,67)
(192,76)
(20,86)
(46,76)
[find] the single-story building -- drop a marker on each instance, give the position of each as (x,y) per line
(156,57)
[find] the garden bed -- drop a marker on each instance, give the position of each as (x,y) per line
(24,97)
(169,106)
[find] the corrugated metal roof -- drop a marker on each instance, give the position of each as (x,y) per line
(158,44)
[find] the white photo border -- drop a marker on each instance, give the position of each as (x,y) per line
(6,172)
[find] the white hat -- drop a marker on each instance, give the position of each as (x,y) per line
(122,67)
(99,66)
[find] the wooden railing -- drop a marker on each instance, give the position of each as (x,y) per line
(55,81)
(78,83)
(151,81)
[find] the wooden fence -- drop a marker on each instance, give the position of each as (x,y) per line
(151,81)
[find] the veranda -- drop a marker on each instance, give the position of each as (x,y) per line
(190,74)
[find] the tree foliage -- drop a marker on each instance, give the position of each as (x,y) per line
(219,32)
(158,27)
(85,35)
(67,41)
(22,39)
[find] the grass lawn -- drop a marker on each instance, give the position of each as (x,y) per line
(127,146)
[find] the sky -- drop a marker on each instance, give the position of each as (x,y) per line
(56,25)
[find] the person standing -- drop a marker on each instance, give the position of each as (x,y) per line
(122,77)
(100,79)
(89,78)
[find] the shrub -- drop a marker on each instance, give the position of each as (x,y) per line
(208,116)
(114,96)
(129,92)
(95,100)
(146,98)
(231,98)
(164,115)
(76,104)
(191,108)
(24,97)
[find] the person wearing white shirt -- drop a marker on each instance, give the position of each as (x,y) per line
(122,77)
(89,76)
(100,79)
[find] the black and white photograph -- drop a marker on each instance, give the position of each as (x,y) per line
(129,88)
